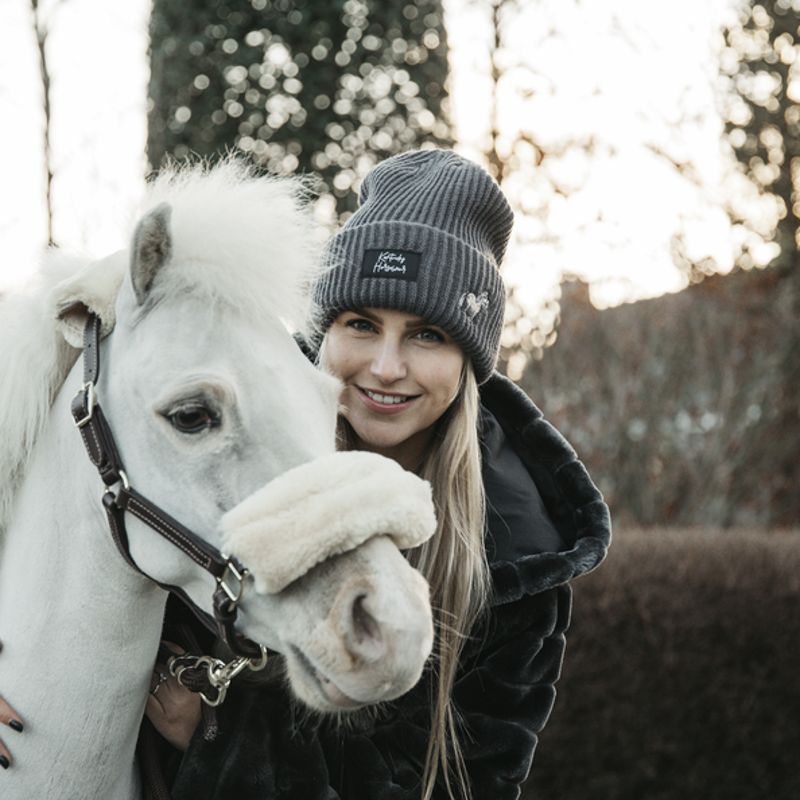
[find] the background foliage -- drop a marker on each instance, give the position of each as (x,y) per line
(685,407)
(762,66)
(327,87)
(679,679)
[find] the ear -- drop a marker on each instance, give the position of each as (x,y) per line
(91,289)
(152,248)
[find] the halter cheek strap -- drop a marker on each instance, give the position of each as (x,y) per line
(98,439)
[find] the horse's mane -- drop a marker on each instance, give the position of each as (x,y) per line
(237,238)
(34,361)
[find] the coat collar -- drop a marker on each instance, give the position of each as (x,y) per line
(547,520)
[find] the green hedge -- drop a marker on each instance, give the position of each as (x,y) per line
(681,674)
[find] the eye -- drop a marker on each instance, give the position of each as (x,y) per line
(193,418)
(429,335)
(360,324)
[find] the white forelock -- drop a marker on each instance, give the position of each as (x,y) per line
(238,237)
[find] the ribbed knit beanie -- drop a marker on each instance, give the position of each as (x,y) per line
(428,238)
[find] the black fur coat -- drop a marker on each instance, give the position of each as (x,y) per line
(547,524)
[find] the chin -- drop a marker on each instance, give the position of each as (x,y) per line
(380,438)
(315,689)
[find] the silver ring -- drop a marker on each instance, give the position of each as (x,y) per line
(162,678)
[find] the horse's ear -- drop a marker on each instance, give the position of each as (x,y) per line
(91,289)
(152,248)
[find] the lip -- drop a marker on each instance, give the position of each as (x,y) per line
(329,691)
(381,408)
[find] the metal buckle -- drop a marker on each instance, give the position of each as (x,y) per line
(219,673)
(123,479)
(230,569)
(88,388)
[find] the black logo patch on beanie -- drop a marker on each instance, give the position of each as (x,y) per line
(400,264)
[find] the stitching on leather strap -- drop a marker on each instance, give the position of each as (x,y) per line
(177,538)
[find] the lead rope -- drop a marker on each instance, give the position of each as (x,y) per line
(151,743)
(150,767)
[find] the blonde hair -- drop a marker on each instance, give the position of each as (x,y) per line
(454,563)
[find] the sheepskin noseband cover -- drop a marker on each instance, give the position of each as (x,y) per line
(323,508)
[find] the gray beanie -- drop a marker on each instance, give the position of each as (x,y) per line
(428,238)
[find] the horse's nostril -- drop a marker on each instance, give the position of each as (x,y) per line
(365,626)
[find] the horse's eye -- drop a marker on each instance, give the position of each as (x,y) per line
(193,419)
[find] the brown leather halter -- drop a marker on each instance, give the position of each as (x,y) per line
(227,570)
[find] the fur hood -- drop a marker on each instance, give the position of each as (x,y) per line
(547,520)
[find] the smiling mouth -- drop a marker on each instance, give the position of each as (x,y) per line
(330,692)
(387,399)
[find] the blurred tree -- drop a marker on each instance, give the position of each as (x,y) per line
(763,114)
(681,406)
(515,156)
(685,406)
(324,87)
(545,143)
(762,63)
(586,98)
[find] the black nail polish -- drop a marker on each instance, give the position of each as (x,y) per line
(16,725)
(3,762)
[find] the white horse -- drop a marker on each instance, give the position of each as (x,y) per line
(209,398)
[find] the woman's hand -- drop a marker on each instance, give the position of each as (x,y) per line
(9,717)
(174,710)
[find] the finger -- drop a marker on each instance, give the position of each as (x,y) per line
(5,756)
(177,699)
(175,648)
(154,709)
(8,716)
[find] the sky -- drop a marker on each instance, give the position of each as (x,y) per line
(621,72)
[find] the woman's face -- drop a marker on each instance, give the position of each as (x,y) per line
(400,375)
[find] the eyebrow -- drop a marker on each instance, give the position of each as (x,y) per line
(419,322)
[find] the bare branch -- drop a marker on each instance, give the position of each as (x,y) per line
(41,31)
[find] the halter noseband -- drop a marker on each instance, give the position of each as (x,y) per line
(227,571)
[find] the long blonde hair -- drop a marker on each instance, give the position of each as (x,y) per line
(454,563)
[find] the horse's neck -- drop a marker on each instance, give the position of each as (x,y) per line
(80,629)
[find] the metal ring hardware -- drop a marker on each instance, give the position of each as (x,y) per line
(91,402)
(219,673)
(234,595)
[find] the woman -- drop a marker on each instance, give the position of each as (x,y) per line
(409,318)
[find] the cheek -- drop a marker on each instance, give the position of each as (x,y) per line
(334,357)
(447,377)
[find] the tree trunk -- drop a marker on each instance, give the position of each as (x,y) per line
(40,29)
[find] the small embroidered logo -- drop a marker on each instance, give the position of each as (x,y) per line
(472,305)
(402,264)
(389,261)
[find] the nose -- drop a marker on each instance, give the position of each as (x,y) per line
(361,632)
(388,365)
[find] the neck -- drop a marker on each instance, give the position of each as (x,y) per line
(80,630)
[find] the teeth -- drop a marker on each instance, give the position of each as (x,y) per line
(389,400)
